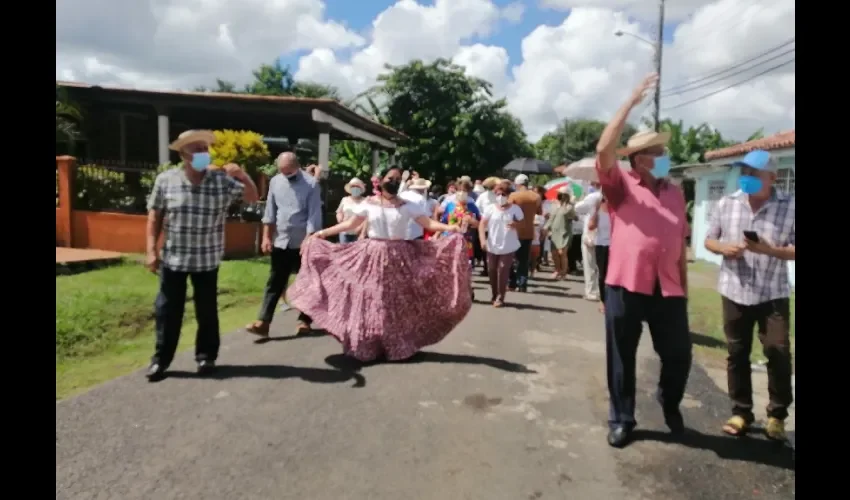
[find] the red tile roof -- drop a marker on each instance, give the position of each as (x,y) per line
(781,140)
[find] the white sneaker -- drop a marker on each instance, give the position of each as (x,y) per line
(285,307)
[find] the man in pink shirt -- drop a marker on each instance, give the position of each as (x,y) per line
(647,270)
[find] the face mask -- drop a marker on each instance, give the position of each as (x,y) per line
(501,200)
(200,161)
(391,187)
(661,167)
(749,184)
(356,192)
(591,189)
(460,197)
(292,177)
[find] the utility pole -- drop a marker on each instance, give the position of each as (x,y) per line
(659,46)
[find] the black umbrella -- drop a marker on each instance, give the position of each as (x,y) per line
(529,166)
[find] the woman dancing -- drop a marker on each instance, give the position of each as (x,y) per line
(385,297)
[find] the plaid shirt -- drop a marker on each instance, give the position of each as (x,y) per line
(754,278)
(193,217)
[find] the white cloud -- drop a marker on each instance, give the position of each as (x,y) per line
(645,10)
(513,12)
(577,68)
(183,43)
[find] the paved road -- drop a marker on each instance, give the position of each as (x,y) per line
(510,407)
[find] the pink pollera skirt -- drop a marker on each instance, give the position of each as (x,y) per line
(384,298)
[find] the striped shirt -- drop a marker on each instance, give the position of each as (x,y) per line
(754,278)
(193,217)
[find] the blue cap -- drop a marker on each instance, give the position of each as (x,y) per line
(757,159)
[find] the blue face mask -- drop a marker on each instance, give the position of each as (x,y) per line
(661,167)
(356,191)
(749,184)
(200,161)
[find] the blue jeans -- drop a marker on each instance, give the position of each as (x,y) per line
(347,238)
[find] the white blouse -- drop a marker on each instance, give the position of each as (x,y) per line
(346,208)
(388,223)
(603,229)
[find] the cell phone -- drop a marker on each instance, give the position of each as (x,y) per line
(752,236)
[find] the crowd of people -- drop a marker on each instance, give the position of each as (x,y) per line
(398,276)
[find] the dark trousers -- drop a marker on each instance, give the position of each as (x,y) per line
(668,325)
(519,271)
(168,308)
(285,261)
(773,319)
(574,253)
(602,266)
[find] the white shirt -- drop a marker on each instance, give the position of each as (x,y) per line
(414,230)
(346,208)
(500,239)
(603,229)
(388,223)
(538,225)
(486,199)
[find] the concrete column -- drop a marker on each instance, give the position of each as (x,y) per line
(376,160)
(66,166)
(324,150)
(163,134)
(392,160)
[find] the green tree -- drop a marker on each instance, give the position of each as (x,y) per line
(453,124)
(68,119)
(573,140)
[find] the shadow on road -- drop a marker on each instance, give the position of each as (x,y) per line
(558,294)
(706,341)
(348,364)
(277,372)
(536,307)
(746,449)
(313,334)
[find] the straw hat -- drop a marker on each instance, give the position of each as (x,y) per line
(644,140)
(490,182)
(192,136)
(354,182)
(420,183)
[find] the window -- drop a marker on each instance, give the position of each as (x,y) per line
(716,190)
(785,180)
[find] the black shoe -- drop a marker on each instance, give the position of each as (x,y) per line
(522,289)
(206,367)
(155,372)
(619,437)
(484,273)
(674,421)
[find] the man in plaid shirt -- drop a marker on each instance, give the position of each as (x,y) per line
(755,289)
(188,206)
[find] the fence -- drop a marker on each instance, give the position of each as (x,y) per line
(102,207)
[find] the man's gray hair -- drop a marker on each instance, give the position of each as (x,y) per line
(286,157)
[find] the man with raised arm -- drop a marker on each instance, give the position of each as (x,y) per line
(647,270)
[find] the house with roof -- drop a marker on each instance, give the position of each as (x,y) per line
(716,177)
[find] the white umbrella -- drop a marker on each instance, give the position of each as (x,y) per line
(585,169)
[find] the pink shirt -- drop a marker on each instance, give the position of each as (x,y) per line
(647,234)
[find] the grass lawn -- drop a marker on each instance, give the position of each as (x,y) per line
(706,319)
(105,323)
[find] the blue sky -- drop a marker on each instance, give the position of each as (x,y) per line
(360,14)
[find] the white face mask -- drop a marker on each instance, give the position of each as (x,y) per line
(501,200)
(461,197)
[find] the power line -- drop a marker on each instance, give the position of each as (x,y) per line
(737,65)
(724,77)
(768,70)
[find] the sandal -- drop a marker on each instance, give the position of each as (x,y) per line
(259,328)
(498,303)
(775,429)
(736,426)
(302,328)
